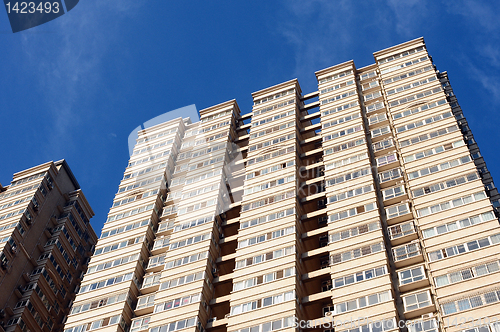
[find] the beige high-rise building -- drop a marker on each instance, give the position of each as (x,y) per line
(365,201)
(45,244)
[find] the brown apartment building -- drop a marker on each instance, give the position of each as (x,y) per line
(45,244)
(366,201)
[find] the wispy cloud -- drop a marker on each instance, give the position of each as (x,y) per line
(482,14)
(483,63)
(324,32)
(67,64)
(317,32)
(409,16)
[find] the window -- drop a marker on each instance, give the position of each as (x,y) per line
(338,97)
(98,303)
(264,279)
(189,241)
(140,324)
(125,228)
(179,302)
(272,118)
(279,95)
(462,248)
(270,217)
(377,118)
(355,253)
(392,174)
(425,137)
(145,301)
(406,251)
(352,212)
(349,176)
(273,107)
(449,227)
(131,212)
(268,200)
(393,192)
(411,275)
(267,301)
(423,326)
(401,230)
(411,85)
(359,276)
(467,273)
(195,207)
(374,107)
(471,301)
(342,133)
(401,55)
(354,231)
(416,301)
(344,146)
(409,63)
(397,210)
(196,192)
(272,130)
(192,223)
(270,184)
(430,152)
(449,204)
(362,302)
(161,243)
(367,75)
(266,237)
(338,86)
(350,193)
(380,131)
(346,161)
(265,257)
(181,324)
(271,326)
(270,169)
(200,177)
(182,280)
(334,77)
(383,145)
(156,261)
(341,120)
(408,74)
(278,140)
(445,184)
(107,282)
(372,95)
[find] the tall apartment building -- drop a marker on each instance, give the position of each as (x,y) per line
(45,243)
(365,199)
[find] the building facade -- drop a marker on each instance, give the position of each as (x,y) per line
(45,244)
(366,201)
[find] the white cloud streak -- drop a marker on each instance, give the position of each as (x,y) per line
(64,57)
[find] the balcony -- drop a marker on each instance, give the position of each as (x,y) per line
(387,162)
(407,254)
(151,283)
(380,148)
(394,194)
(390,178)
(418,304)
(378,134)
(145,305)
(401,233)
(398,213)
(412,278)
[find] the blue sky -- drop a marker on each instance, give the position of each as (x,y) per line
(75,87)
